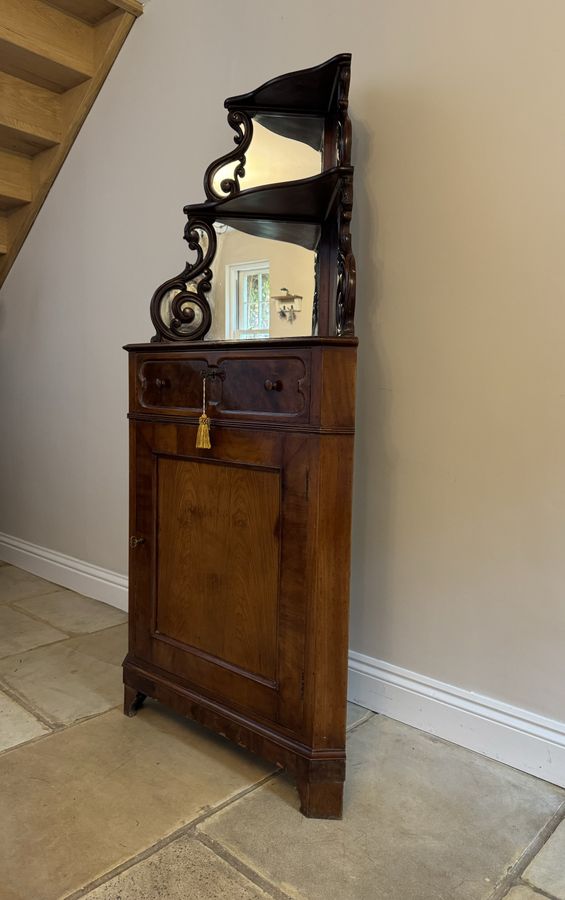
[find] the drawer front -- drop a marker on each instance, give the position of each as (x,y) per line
(173,385)
(238,386)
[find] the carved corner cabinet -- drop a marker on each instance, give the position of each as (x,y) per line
(241,438)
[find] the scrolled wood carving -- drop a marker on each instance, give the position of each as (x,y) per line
(230,187)
(198,276)
(316,298)
(343,120)
(346,273)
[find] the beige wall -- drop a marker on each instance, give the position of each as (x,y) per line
(458,112)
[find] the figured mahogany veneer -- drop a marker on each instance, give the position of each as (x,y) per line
(239,551)
(240,574)
(245,384)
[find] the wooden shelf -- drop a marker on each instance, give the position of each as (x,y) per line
(295,105)
(307,92)
(290,211)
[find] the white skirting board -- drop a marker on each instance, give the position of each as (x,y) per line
(92,581)
(517,737)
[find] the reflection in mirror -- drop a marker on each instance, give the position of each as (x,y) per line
(260,288)
(271,158)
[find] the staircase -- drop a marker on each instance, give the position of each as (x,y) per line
(54,57)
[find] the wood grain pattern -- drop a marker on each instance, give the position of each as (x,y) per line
(29,116)
(279,701)
(29,29)
(291,711)
(175,385)
(218,560)
(3,234)
(240,552)
(44,46)
(94,11)
(15,180)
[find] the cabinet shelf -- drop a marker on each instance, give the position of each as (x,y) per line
(295,105)
(291,211)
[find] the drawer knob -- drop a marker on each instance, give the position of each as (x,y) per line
(135,541)
(273,385)
(161,383)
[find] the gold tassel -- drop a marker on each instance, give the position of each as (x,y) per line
(203,433)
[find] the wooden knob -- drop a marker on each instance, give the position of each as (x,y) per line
(161,383)
(273,385)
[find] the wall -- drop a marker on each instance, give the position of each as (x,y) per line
(459,142)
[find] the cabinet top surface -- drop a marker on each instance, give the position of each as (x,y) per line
(266,344)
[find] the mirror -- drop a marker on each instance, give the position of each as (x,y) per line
(271,158)
(271,243)
(260,288)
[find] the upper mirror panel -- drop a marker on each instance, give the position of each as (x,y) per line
(271,245)
(271,157)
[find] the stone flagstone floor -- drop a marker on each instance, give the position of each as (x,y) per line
(97,805)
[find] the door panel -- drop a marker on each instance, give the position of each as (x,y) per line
(218,561)
(220,586)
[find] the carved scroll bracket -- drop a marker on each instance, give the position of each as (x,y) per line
(190,314)
(230,187)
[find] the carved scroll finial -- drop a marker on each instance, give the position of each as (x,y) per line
(229,187)
(189,317)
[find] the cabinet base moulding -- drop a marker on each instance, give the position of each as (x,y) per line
(319,774)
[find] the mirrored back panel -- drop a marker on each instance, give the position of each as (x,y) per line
(260,288)
(270,158)
(271,244)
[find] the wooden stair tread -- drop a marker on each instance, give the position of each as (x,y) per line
(3,235)
(41,44)
(54,57)
(93,11)
(29,116)
(15,180)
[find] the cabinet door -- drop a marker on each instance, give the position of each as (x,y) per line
(219,585)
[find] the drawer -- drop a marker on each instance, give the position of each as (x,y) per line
(273,386)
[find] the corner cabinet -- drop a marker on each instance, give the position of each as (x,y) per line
(239,549)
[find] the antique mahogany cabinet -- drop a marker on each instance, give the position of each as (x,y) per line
(241,435)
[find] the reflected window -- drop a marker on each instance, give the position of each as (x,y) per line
(248,300)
